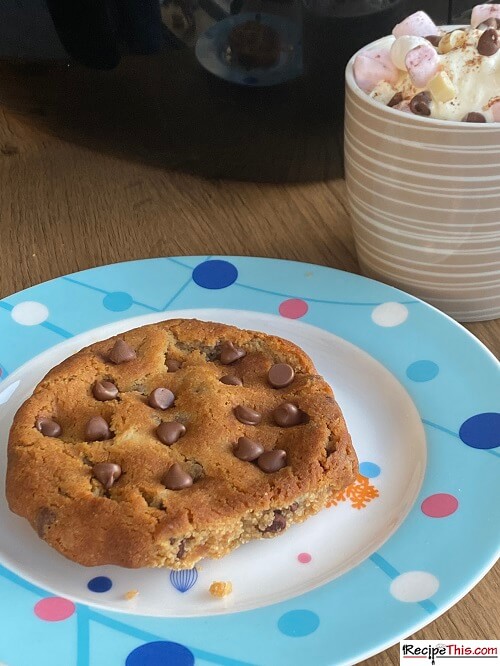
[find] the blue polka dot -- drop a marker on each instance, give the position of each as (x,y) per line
(3,373)
(118,301)
(298,623)
(250,80)
(160,653)
(215,274)
(481,431)
(369,469)
(100,584)
(422,371)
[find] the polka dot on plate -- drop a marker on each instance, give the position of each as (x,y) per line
(29,313)
(298,623)
(439,505)
(304,558)
(390,314)
(54,609)
(422,371)
(414,586)
(160,653)
(369,470)
(293,308)
(215,274)
(100,584)
(481,431)
(117,301)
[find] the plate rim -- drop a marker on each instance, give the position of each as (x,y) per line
(471,339)
(130,323)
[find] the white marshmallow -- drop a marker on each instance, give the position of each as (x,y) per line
(402,46)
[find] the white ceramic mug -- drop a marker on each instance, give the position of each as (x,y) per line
(424,196)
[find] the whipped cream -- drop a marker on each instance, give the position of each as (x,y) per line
(475,79)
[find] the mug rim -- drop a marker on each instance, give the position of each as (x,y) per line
(394,113)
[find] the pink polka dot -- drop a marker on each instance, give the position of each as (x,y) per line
(439,505)
(54,609)
(304,558)
(293,308)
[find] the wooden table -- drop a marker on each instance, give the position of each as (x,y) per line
(103,197)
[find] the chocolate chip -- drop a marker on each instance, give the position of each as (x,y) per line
(170,432)
(272,461)
(229,353)
(247,415)
(97,429)
(396,99)
(474,117)
(489,23)
(161,398)
(121,352)
(288,415)
(104,391)
(196,469)
(420,104)
(248,450)
(231,380)
(173,365)
(488,43)
(293,507)
(176,478)
(44,519)
(434,39)
(278,524)
(48,427)
(182,549)
(107,473)
(280,375)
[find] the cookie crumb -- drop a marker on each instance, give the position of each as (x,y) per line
(221,589)
(131,594)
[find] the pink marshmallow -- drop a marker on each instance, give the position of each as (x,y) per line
(495,110)
(418,24)
(422,64)
(373,66)
(482,13)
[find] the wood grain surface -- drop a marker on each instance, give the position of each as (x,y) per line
(70,204)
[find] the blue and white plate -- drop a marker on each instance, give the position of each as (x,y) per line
(212,45)
(418,528)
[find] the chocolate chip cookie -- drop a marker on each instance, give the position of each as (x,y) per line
(174,442)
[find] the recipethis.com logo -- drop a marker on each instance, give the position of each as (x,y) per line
(450,653)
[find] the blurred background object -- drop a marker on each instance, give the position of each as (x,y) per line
(157,80)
